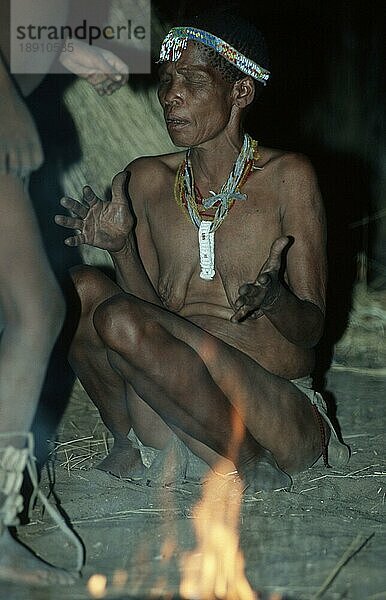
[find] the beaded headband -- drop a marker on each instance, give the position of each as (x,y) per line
(177,39)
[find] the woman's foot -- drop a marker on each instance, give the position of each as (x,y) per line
(262,473)
(123,461)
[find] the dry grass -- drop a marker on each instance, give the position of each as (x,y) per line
(82,440)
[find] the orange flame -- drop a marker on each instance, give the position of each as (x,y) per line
(215,569)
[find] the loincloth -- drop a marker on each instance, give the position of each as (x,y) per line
(337,452)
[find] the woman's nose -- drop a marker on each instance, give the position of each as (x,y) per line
(173,94)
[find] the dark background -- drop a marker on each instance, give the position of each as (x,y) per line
(325,98)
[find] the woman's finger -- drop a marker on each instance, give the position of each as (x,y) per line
(69,222)
(75,240)
(76,207)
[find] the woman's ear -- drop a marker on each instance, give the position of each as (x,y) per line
(243,92)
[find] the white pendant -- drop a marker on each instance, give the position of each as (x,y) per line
(206,247)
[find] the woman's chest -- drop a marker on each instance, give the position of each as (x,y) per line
(240,247)
(244,235)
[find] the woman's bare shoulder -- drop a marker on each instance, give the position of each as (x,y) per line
(155,166)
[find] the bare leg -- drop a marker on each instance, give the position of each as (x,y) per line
(116,401)
(119,405)
(31,304)
(172,377)
(32,312)
(169,375)
(179,371)
(32,308)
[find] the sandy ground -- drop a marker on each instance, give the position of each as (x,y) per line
(330,523)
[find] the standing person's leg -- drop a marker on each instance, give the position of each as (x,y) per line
(32,313)
(31,304)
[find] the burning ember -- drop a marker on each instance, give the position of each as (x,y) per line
(96,586)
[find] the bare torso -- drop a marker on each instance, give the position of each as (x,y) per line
(169,250)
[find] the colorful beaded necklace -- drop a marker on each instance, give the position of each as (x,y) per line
(185,193)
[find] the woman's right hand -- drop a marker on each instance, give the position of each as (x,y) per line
(105,224)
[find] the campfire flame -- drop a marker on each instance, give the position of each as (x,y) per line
(214,570)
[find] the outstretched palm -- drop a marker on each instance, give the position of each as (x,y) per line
(265,289)
(103,224)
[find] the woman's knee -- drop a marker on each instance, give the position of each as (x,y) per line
(123,327)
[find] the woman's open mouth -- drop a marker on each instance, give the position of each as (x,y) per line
(175,122)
